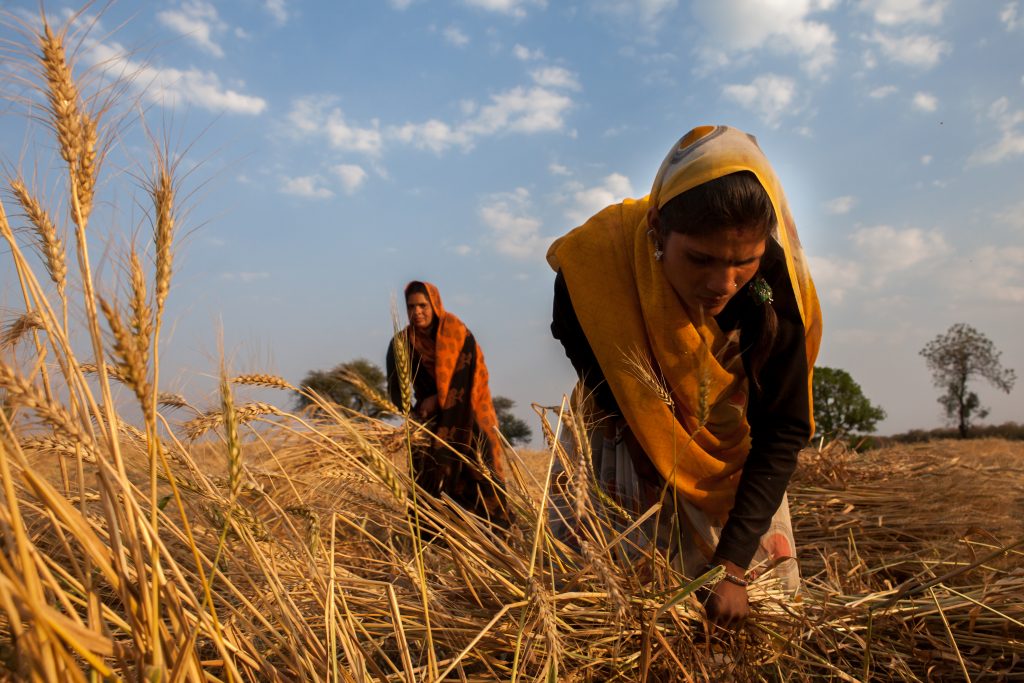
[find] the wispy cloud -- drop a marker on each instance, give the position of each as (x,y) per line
(512,8)
(558,169)
(318,115)
(307,187)
(1010,16)
(989,274)
(245,277)
(889,250)
(1010,124)
(352,176)
(555,77)
(174,87)
(522,109)
(841,205)
(525,54)
(898,12)
(197,21)
(916,50)
(925,101)
(834,278)
(882,92)
(1012,216)
(512,229)
(278,9)
(770,96)
(453,35)
(733,29)
(646,14)
(586,201)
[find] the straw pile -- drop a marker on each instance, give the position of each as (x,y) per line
(246,543)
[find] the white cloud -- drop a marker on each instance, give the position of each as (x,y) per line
(525,54)
(887,250)
(769,95)
(917,50)
(318,115)
(739,27)
(198,21)
(173,87)
(558,169)
(462,249)
(434,135)
(1010,144)
(926,159)
(834,278)
(518,110)
(841,205)
(245,276)
(1012,216)
(990,274)
(883,92)
(1009,16)
(513,231)
(555,77)
(513,8)
(278,9)
(589,200)
(400,4)
(309,187)
(351,176)
(925,101)
(453,35)
(897,12)
(645,13)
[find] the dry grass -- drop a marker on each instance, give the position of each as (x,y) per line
(250,544)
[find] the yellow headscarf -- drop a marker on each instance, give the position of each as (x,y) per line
(698,439)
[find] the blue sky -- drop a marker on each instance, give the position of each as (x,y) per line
(335,150)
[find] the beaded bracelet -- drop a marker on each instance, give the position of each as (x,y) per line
(731,578)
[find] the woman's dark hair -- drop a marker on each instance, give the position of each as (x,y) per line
(734,200)
(416,287)
(737,200)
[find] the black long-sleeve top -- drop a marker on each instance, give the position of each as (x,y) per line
(778,409)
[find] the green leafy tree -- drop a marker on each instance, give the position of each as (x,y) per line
(515,430)
(955,358)
(840,407)
(358,384)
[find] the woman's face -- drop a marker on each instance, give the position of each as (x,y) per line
(421,313)
(706,271)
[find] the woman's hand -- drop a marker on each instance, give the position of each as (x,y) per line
(727,605)
(427,407)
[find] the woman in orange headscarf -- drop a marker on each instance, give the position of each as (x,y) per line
(447,377)
(693,323)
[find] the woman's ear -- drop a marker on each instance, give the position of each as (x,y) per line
(654,220)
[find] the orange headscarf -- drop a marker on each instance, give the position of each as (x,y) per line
(442,355)
(699,439)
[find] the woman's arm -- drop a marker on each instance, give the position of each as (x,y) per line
(778,413)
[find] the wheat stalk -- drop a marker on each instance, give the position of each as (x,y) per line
(198,426)
(263,380)
(50,244)
(640,366)
(76,130)
(375,397)
(21,326)
(403,359)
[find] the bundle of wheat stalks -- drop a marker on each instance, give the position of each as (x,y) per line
(244,542)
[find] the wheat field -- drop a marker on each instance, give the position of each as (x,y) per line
(146,539)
